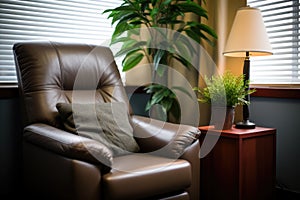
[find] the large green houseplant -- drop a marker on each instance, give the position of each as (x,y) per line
(224,92)
(153,19)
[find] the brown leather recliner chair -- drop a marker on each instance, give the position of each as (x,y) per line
(59,164)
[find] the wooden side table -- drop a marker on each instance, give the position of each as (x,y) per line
(241,166)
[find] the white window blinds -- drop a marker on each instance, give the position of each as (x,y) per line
(282,22)
(54,20)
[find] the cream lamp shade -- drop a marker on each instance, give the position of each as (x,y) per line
(248,34)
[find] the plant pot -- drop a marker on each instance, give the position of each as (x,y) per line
(223,117)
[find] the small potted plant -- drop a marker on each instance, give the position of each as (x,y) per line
(224,93)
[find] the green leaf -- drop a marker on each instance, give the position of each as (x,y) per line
(187,42)
(166,2)
(167,105)
(184,51)
(154,12)
(129,17)
(153,2)
(132,61)
(197,28)
(108,10)
(193,35)
(175,109)
(208,30)
(182,60)
(125,8)
(122,39)
(193,8)
(130,43)
(202,36)
(133,47)
(157,58)
(136,22)
(159,95)
(115,15)
(161,70)
(170,21)
(129,54)
(151,88)
(120,28)
(148,105)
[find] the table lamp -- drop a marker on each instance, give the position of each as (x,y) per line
(248,37)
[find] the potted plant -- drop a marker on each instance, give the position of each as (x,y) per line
(147,25)
(224,93)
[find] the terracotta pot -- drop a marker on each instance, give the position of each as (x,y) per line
(222,117)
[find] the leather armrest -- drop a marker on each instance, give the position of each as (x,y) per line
(163,138)
(68,144)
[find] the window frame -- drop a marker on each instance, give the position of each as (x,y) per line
(279,91)
(10,90)
(291,91)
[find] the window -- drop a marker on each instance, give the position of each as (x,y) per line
(282,22)
(54,20)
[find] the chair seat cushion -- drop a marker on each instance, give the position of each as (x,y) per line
(137,176)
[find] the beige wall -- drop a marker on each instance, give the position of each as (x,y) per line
(221,15)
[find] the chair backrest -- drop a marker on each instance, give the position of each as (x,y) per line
(50,72)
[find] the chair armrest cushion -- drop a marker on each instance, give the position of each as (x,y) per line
(163,138)
(68,144)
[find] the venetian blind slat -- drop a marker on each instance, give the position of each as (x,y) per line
(55,20)
(281,19)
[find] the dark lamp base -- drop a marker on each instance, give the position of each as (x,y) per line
(245,125)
